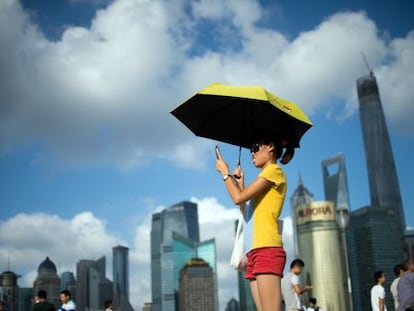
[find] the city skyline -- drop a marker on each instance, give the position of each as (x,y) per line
(89,150)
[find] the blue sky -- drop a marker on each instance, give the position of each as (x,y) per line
(89,150)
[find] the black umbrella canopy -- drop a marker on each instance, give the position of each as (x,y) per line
(241,121)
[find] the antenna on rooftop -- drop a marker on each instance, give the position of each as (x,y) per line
(366,64)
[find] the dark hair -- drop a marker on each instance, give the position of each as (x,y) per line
(313,300)
(407,262)
(378,275)
(42,294)
(398,268)
(66,293)
(108,303)
(279,145)
(297,262)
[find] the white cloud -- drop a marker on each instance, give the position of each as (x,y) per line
(103,94)
(26,239)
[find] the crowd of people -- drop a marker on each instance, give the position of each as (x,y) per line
(402,289)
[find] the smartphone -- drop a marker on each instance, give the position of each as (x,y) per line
(218,154)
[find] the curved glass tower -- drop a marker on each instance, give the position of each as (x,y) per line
(181,218)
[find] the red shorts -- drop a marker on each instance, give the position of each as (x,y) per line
(266,260)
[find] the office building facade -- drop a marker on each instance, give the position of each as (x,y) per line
(181,218)
(92,286)
(197,289)
(184,250)
(26,295)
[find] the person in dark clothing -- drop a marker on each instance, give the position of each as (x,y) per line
(43,304)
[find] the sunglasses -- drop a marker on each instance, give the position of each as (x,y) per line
(255,147)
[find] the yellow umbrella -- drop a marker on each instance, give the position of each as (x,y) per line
(239,115)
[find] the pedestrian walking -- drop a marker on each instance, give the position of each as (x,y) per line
(405,288)
(291,289)
(67,303)
(398,271)
(378,292)
(41,303)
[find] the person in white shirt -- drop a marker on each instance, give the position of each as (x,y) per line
(67,303)
(378,292)
(291,289)
(399,271)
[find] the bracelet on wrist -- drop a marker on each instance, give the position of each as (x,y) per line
(226,176)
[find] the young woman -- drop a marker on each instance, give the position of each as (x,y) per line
(263,242)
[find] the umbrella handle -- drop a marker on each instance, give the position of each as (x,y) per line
(238,163)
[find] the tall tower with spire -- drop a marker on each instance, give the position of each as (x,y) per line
(375,231)
(382,174)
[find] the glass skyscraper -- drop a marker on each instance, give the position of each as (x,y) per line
(335,181)
(375,231)
(92,286)
(181,218)
(120,272)
(382,175)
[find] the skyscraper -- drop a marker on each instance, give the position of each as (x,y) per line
(185,249)
(197,286)
(335,181)
(336,190)
(181,218)
(92,286)
(120,273)
(375,231)
(382,174)
(67,281)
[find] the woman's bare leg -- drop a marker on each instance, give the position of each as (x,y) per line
(268,291)
(255,294)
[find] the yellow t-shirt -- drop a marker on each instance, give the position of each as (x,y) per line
(262,213)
